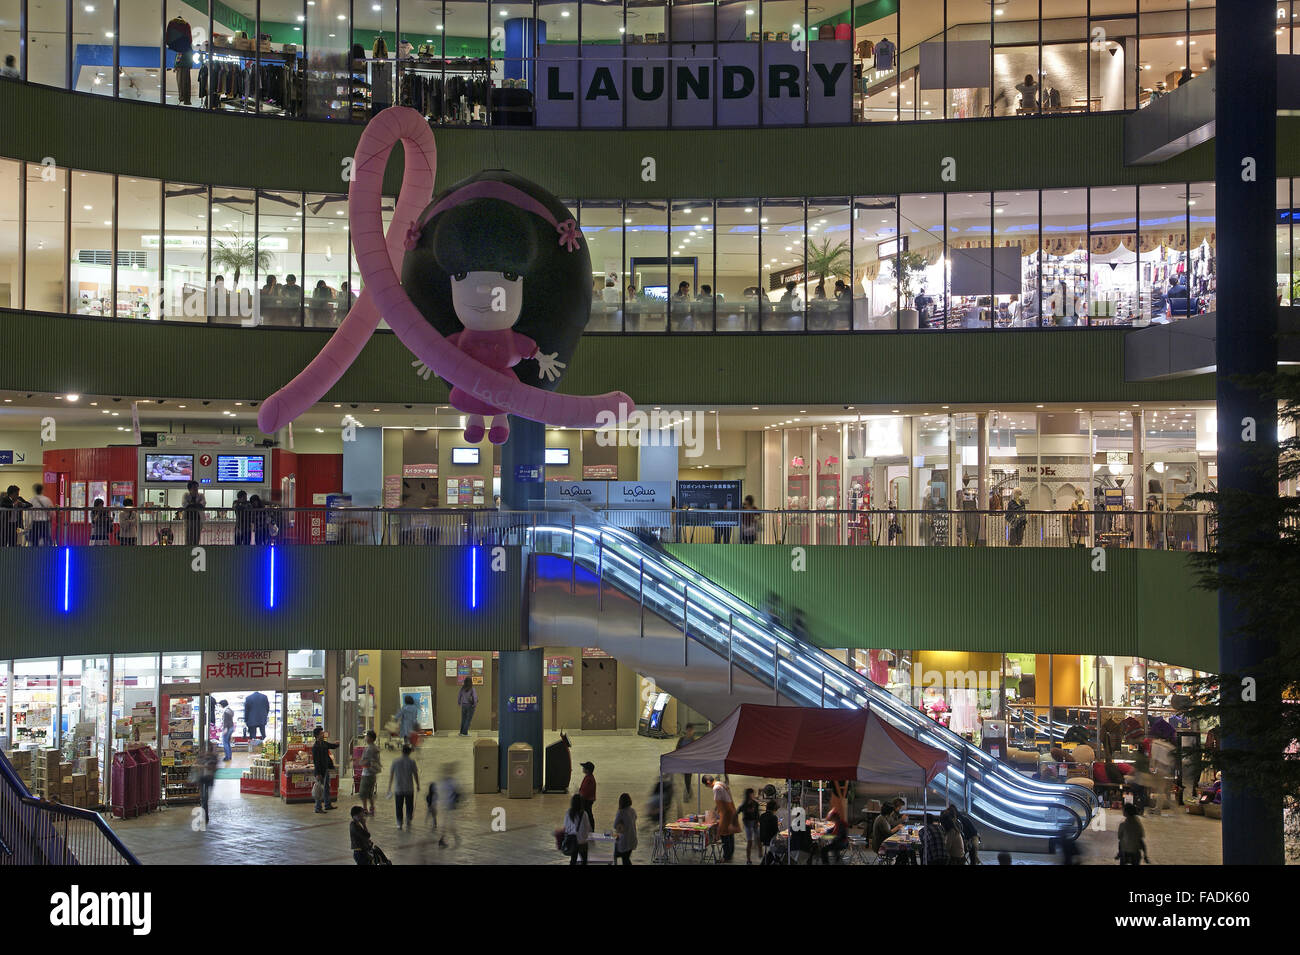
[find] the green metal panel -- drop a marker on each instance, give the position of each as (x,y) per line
(156,359)
(327,597)
(192,145)
(1031,600)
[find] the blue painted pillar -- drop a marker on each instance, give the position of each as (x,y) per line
(363,468)
(527,449)
(521,35)
(1245,169)
(519,673)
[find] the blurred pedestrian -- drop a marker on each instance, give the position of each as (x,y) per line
(587,790)
(467,700)
(403,781)
(624,830)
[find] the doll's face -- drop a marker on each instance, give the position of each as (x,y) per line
(487,301)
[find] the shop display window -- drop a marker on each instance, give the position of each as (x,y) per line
(1162,244)
(880,65)
(85,707)
(1202,269)
(931,478)
(1113,242)
(141,51)
(921,265)
(970,271)
(183,253)
(1288,289)
(35,702)
(234,255)
(799,475)
(139,223)
(1063,288)
(91,270)
(304,711)
(181,70)
(1015,278)
(6,696)
(875,293)
(782,240)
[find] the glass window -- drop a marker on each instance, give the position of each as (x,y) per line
(930,437)
(1162,245)
(85,708)
(47,39)
(875,295)
(283,21)
(6,739)
(736,269)
(135,700)
(279,247)
(1112,36)
(691,271)
(326,264)
(10,33)
(1113,294)
(966,56)
(183,68)
(970,274)
(337,84)
(1065,59)
(305,664)
(1016,56)
(646,247)
(92,244)
(304,711)
(11,279)
(924,262)
(879,63)
(234,254)
(602,224)
(372,27)
(468,41)
(93,47)
(782,240)
(828,253)
(47,189)
(1064,276)
(1015,226)
(139,222)
(1287,292)
(35,702)
(185,253)
(140,60)
(1201,270)
(182,667)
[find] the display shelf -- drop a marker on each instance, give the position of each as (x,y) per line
(298,776)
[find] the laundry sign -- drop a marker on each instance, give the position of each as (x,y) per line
(683,84)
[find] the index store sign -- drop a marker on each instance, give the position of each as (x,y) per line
(682,85)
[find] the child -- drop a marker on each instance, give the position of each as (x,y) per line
(360,836)
(431,804)
(1132,839)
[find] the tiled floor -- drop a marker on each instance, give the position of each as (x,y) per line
(496,830)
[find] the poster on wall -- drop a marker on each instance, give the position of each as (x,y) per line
(392,490)
(423,696)
(420,470)
(600,472)
(97,491)
(79,498)
(709,495)
(557,669)
(120,491)
(453,490)
(479,491)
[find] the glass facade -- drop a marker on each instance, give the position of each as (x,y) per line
(647,63)
(1107,255)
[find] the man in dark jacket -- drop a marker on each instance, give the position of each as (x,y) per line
(256,709)
(320,757)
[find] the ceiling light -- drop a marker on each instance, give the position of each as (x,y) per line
(320,430)
(74,397)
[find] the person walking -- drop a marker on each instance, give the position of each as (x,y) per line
(205,774)
(408,721)
(403,780)
(39,517)
(359,836)
(587,790)
(371,767)
(577,832)
(448,793)
(323,763)
(725,807)
(101,524)
(624,830)
(227,727)
(192,507)
(128,524)
(687,737)
(749,812)
(243,520)
(749,520)
(467,700)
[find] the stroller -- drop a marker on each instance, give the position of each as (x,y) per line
(377,856)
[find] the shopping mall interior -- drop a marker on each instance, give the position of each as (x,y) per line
(726,465)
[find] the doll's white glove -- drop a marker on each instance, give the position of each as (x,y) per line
(421,369)
(548,367)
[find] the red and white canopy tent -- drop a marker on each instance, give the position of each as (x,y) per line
(795,742)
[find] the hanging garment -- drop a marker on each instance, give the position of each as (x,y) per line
(885,55)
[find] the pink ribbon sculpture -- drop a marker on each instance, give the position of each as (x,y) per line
(476,361)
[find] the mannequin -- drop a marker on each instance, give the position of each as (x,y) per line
(180,40)
(1078,523)
(1016,518)
(970,520)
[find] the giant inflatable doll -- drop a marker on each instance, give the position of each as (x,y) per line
(494,295)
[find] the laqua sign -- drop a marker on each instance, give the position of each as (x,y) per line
(674,85)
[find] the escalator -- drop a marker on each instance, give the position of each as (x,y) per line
(598,585)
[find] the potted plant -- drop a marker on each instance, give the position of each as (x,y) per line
(909,271)
(827,260)
(239,254)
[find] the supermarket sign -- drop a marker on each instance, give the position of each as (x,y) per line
(243,669)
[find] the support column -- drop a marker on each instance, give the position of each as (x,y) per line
(525,450)
(1245,171)
(519,673)
(1139,482)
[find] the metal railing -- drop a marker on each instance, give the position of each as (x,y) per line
(1184,530)
(35,832)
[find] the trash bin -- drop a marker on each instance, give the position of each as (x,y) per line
(485,766)
(519,766)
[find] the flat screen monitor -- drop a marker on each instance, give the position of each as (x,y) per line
(464,455)
(241,469)
(557,455)
(656,291)
(168,468)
